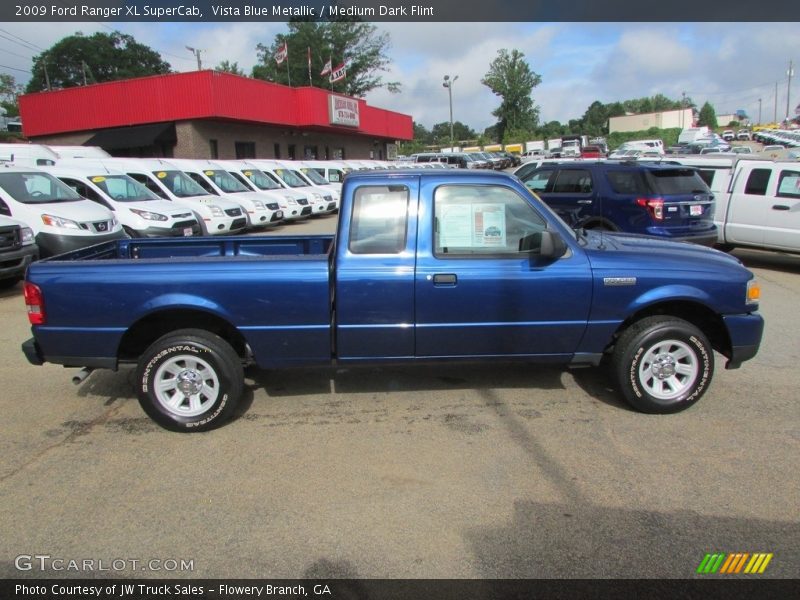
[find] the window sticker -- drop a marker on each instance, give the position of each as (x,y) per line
(98,179)
(472,226)
(161,174)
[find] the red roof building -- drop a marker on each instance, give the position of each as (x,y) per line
(209,114)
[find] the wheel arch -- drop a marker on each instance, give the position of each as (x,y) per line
(696,313)
(149,328)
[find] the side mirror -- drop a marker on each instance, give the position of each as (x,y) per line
(545,244)
(553,245)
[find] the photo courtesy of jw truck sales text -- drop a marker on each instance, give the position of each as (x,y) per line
(412,275)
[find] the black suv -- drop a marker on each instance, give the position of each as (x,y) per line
(668,201)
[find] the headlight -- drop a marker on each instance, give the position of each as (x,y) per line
(290,200)
(54,221)
(26,236)
(317,197)
(753,292)
(259,205)
(150,216)
(216,211)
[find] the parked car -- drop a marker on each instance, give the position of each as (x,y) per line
(215,215)
(60,218)
(728,135)
(261,210)
(295,205)
(668,201)
(591,152)
(17,250)
(140,212)
(743,135)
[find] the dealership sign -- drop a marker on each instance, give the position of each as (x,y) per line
(343,111)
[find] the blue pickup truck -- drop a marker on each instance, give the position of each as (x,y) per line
(426,265)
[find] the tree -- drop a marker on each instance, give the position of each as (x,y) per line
(708,117)
(9,90)
(441,132)
(79,59)
(354,44)
(511,78)
(228,67)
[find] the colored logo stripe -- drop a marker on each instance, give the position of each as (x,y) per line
(734,563)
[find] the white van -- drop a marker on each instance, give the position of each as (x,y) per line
(60,218)
(79,151)
(690,135)
(27,155)
(216,215)
(261,211)
(649,146)
(332,171)
(140,211)
(323,199)
(294,204)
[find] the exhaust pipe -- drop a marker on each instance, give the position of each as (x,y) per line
(82,374)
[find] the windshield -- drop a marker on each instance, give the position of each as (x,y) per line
(180,184)
(292,178)
(225,181)
(315,177)
(262,180)
(122,188)
(37,188)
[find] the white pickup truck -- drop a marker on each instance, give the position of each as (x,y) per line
(758,200)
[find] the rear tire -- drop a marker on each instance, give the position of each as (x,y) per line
(663,364)
(189,380)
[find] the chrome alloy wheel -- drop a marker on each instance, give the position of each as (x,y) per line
(186,386)
(668,369)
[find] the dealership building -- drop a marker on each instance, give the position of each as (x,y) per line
(210,114)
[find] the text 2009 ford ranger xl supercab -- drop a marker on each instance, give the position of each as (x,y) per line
(426,265)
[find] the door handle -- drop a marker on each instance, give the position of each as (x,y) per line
(445,279)
(584,202)
(780,207)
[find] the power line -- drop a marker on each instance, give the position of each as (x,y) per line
(30,45)
(15,54)
(15,69)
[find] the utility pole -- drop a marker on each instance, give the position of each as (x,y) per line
(196,52)
(683,108)
(46,75)
(775,119)
(790,72)
(83,70)
(448,83)
(759,111)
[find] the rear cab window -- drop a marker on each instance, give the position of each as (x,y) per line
(379,219)
(757,182)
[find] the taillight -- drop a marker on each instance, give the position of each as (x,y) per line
(655,206)
(34,302)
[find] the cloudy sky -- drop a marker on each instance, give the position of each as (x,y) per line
(731,65)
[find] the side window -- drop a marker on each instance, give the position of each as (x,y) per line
(757,182)
(707,175)
(789,184)
(573,181)
(625,182)
(483,221)
(85,191)
(198,179)
(537,180)
(378,223)
(149,184)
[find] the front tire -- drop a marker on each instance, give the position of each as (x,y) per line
(663,364)
(189,380)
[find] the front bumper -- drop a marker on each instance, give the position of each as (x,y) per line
(51,244)
(14,263)
(745,332)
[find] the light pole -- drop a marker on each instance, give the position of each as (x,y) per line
(448,83)
(196,52)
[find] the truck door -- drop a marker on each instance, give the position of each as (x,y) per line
(783,220)
(374,271)
(749,207)
(476,294)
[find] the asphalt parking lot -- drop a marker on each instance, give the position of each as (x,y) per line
(479,471)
